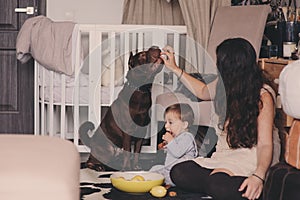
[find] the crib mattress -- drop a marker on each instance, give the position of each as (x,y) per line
(83,81)
(105,96)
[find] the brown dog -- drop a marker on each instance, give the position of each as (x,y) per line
(127,118)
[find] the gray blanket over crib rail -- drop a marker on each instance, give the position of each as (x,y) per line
(48,42)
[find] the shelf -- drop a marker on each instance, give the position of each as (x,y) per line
(274,66)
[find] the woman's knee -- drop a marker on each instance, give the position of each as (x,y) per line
(178,173)
(175,173)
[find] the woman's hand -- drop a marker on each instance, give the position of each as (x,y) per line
(253,186)
(197,87)
(169,59)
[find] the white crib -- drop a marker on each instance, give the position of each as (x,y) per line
(63,103)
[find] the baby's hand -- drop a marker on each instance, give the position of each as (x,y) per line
(168,137)
(162,145)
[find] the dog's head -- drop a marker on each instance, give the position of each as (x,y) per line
(144,65)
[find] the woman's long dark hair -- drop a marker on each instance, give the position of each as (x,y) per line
(237,99)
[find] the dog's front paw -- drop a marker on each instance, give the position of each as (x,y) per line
(137,167)
(94,164)
(124,169)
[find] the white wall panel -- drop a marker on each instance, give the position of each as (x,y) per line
(86,11)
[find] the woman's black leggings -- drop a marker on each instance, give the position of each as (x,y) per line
(192,177)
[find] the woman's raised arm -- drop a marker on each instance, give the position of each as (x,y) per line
(197,87)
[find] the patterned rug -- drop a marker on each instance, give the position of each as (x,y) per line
(96,186)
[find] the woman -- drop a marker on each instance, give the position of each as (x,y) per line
(244,105)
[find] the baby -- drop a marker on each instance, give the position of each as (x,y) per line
(179,144)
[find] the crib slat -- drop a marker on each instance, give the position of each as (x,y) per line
(76,90)
(176,50)
(63,108)
(76,113)
(159,38)
(133,42)
(51,106)
(112,38)
(43,115)
(148,40)
(191,55)
(95,60)
(126,53)
(140,44)
(36,99)
(122,55)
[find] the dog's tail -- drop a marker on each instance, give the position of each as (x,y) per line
(85,134)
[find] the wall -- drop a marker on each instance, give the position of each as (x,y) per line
(86,11)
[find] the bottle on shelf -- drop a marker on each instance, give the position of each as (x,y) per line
(280,27)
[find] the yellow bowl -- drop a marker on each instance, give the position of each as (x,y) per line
(122,181)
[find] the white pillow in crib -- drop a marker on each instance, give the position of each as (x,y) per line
(106,64)
(289,87)
(119,72)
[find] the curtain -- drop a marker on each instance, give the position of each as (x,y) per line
(160,12)
(197,15)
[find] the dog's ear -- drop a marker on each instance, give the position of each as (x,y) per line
(130,61)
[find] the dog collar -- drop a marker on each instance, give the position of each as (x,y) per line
(144,88)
